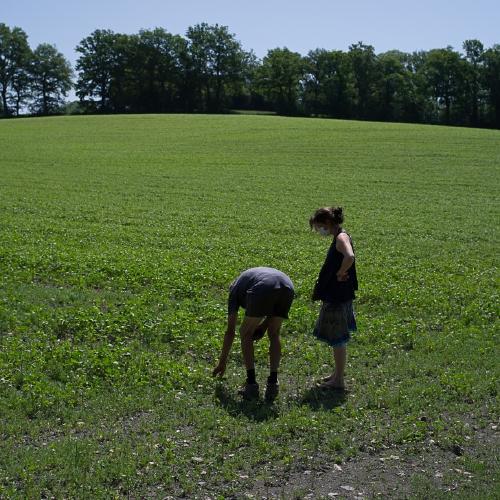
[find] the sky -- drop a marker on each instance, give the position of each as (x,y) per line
(262,25)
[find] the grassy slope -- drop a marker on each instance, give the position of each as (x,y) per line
(119,238)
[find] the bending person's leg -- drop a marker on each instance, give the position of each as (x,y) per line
(251,389)
(261,329)
(246,333)
(272,387)
(273,331)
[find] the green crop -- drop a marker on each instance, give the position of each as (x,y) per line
(119,237)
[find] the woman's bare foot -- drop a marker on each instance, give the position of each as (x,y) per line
(332,383)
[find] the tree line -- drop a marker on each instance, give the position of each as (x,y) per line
(208,71)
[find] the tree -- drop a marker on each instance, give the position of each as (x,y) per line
(110,71)
(474,53)
(491,79)
(444,73)
(14,59)
(245,92)
(51,79)
(280,77)
(216,64)
(364,65)
(396,88)
(422,106)
(20,87)
(95,66)
(125,74)
(328,83)
(158,67)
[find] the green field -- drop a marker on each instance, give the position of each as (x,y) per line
(118,239)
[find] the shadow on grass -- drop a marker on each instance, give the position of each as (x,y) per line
(321,399)
(257,410)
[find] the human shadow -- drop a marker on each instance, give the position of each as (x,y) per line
(258,410)
(323,399)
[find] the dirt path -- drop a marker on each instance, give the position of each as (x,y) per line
(430,473)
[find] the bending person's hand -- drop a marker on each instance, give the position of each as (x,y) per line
(220,369)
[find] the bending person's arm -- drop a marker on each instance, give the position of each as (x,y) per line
(226,346)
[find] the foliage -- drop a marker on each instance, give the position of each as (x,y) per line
(280,77)
(365,74)
(491,76)
(329,84)
(50,80)
(14,61)
(215,65)
(444,76)
(208,71)
(97,67)
(474,51)
(158,70)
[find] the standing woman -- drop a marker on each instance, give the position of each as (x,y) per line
(335,287)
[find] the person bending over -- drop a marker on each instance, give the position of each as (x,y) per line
(266,294)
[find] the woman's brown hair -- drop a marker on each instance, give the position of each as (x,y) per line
(323,215)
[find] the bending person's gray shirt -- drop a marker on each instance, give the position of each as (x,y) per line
(255,281)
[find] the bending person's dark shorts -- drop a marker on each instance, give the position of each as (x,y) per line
(274,302)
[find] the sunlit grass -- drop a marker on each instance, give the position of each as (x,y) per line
(119,238)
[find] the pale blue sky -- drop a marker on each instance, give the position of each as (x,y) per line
(261,25)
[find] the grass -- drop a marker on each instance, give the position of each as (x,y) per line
(119,238)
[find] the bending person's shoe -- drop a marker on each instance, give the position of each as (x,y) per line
(272,390)
(249,391)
